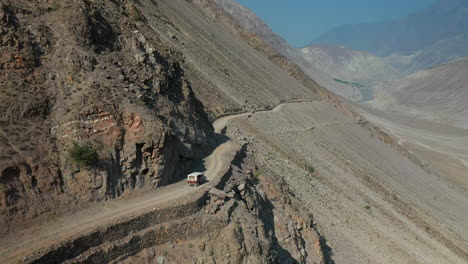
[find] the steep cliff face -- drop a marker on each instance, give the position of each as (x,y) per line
(89,72)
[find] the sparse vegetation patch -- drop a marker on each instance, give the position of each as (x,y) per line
(310,169)
(353,84)
(83,154)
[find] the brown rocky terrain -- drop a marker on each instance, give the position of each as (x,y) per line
(130,81)
(264,224)
(385,180)
(144,83)
(124,87)
(373,204)
(240,215)
(97,78)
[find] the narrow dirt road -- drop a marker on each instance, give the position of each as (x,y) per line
(222,122)
(14,247)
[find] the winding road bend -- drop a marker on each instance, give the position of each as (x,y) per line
(16,246)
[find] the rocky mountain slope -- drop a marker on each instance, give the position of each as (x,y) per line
(381,178)
(160,72)
(98,79)
(277,47)
(396,49)
(438,94)
(127,81)
(350,73)
(427,111)
(441,52)
(132,87)
(252,23)
(257,223)
(114,80)
(353,65)
(357,69)
(367,73)
(443,20)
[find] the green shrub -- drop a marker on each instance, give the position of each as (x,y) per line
(135,17)
(310,169)
(83,154)
(133,12)
(257,174)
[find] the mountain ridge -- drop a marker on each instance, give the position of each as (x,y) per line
(438,93)
(419,30)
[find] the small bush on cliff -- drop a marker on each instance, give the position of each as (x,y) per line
(133,12)
(83,154)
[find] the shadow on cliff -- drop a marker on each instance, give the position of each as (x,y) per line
(266,214)
(215,140)
(327,251)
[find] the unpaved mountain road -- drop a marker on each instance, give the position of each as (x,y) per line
(362,223)
(16,246)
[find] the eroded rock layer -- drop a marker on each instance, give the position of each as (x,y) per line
(89,72)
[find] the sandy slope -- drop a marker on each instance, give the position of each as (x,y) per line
(373,205)
(428,113)
(439,94)
(240,75)
(444,146)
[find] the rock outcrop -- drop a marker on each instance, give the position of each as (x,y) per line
(242,216)
(90,72)
(263,223)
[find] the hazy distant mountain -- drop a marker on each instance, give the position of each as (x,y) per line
(309,64)
(439,93)
(442,52)
(359,69)
(355,74)
(443,20)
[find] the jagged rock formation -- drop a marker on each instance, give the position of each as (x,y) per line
(126,77)
(98,77)
(245,217)
(263,223)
